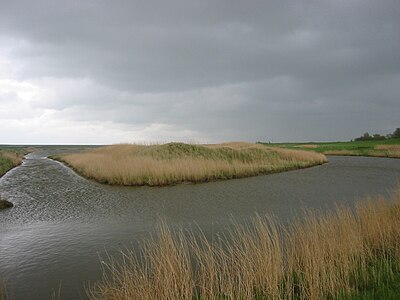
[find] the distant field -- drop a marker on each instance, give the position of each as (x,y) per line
(385,148)
(157,165)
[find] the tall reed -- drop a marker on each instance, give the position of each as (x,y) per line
(388,150)
(319,256)
(177,162)
(9,160)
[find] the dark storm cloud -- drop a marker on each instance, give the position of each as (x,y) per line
(224,69)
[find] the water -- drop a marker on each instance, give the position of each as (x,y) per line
(61,222)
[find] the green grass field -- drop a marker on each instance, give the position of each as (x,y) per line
(385,148)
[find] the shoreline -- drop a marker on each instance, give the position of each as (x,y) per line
(15,162)
(345,253)
(361,155)
(389,148)
(12,168)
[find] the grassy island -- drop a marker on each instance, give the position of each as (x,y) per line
(345,254)
(165,164)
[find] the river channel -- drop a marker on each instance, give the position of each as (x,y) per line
(61,223)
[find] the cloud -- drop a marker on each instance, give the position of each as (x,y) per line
(200,70)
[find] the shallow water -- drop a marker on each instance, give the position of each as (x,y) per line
(61,222)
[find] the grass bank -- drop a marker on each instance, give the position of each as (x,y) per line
(157,165)
(385,148)
(10,158)
(346,254)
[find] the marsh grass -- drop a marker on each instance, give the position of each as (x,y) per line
(157,165)
(346,254)
(385,148)
(388,147)
(9,160)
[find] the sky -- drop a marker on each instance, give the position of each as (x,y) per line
(102,72)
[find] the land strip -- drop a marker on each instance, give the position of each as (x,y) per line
(172,163)
(386,148)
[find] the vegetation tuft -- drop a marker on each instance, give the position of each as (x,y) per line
(157,165)
(352,253)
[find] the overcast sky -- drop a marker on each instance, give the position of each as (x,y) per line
(199,71)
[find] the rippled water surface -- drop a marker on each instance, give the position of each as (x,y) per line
(61,222)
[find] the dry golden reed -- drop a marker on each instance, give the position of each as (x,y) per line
(318,257)
(392,151)
(155,165)
(388,147)
(388,151)
(14,157)
(9,160)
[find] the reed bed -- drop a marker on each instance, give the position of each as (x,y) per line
(157,165)
(386,148)
(346,254)
(389,152)
(9,160)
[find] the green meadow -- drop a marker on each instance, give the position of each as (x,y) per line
(383,148)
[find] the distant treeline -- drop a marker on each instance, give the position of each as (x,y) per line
(378,137)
